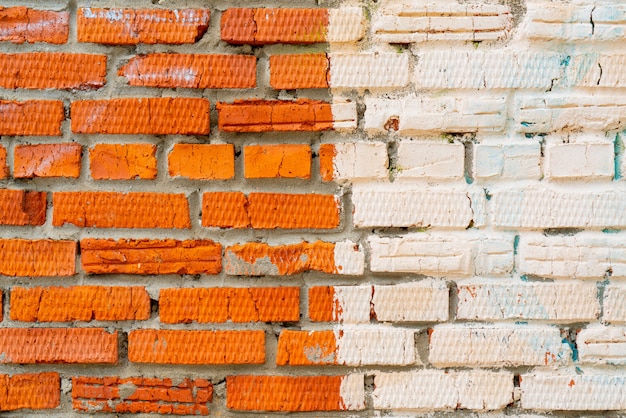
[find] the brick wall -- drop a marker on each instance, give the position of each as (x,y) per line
(336,207)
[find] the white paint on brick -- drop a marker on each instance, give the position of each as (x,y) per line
(344,116)
(353,303)
(573,392)
(404,205)
(433,390)
(534,207)
(447,69)
(583,256)
(448,113)
(561,302)
(602,345)
(426,300)
(454,345)
(574,161)
(614,307)
(360,160)
(349,258)
(430,160)
(443,255)
(595,70)
(352,391)
(375,346)
(420,21)
(345,24)
(507,161)
(368,70)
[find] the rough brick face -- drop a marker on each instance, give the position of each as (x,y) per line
(21,257)
(30,391)
(20,207)
(270,161)
(23,24)
(202,161)
(123,161)
(299,71)
(32,117)
(47,160)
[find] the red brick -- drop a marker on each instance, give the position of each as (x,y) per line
(256,259)
(157,116)
(284,393)
(20,257)
(270,210)
(123,161)
(23,24)
(120,210)
(79,303)
(196,347)
(327,153)
(299,71)
(270,161)
(47,160)
(30,391)
(32,117)
(138,394)
(191,71)
(264,304)
(101,256)
(304,348)
(323,306)
(147,26)
(202,161)
(257,115)
(52,70)
(4,168)
(267,26)
(57,345)
(20,207)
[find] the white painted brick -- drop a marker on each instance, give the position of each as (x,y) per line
(573,111)
(448,69)
(433,390)
(404,205)
(448,113)
(588,256)
(353,303)
(344,116)
(535,207)
(573,392)
(511,161)
(431,160)
(345,24)
(368,70)
(443,255)
(352,392)
(349,258)
(595,70)
(573,161)
(426,300)
(614,307)
(454,345)
(561,302)
(411,21)
(602,345)
(360,160)
(375,346)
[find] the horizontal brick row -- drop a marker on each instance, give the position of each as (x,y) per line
(23,24)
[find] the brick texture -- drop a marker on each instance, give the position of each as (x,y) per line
(271,161)
(123,161)
(47,160)
(299,71)
(202,161)
(32,117)
(20,207)
(30,391)
(23,24)
(20,257)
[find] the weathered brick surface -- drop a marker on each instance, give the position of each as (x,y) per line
(202,161)
(4,168)
(20,257)
(281,160)
(47,160)
(345,162)
(31,117)
(30,391)
(23,24)
(299,71)
(123,161)
(21,207)
(507,161)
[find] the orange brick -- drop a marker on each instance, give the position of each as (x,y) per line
(20,257)
(30,391)
(23,24)
(202,161)
(225,210)
(264,304)
(138,394)
(305,348)
(257,259)
(191,71)
(4,169)
(147,26)
(299,71)
(270,161)
(101,256)
(57,345)
(47,160)
(327,154)
(120,210)
(267,26)
(123,161)
(159,116)
(257,115)
(52,70)
(32,117)
(323,306)
(20,207)
(79,303)
(196,347)
(284,393)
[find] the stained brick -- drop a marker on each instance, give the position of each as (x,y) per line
(299,71)
(196,347)
(30,391)
(32,117)
(20,207)
(202,161)
(348,161)
(23,24)
(19,257)
(283,160)
(120,210)
(101,256)
(123,161)
(47,160)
